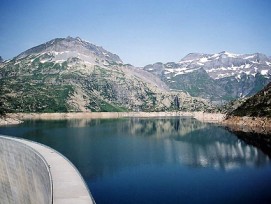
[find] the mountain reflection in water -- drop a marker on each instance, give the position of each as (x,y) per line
(199,144)
(99,147)
(157,160)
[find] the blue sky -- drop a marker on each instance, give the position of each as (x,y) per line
(140,31)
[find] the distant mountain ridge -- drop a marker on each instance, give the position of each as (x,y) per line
(221,76)
(219,65)
(70,75)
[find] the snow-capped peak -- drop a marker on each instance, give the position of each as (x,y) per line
(223,64)
(228,54)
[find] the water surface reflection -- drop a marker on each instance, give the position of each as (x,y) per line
(157,160)
(115,144)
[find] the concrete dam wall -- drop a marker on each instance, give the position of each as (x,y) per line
(33,173)
(24,174)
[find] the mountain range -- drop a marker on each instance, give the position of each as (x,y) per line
(218,77)
(70,74)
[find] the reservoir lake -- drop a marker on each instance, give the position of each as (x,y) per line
(157,160)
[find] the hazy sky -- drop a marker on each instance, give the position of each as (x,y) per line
(139,31)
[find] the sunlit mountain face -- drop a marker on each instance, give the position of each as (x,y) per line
(73,75)
(219,77)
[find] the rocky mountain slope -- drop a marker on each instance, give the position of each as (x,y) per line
(69,74)
(218,77)
(258,105)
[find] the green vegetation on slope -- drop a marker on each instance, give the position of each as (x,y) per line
(197,84)
(258,105)
(103,106)
(36,83)
(30,97)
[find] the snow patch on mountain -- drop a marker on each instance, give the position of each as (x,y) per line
(203,60)
(264,72)
(223,64)
(218,66)
(64,48)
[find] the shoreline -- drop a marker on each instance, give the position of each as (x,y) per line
(7,120)
(235,123)
(16,118)
(247,124)
(95,115)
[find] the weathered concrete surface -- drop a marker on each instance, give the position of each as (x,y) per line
(68,185)
(24,175)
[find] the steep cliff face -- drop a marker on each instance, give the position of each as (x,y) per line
(219,77)
(69,74)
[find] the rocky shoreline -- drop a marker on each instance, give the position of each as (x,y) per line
(248,124)
(7,120)
(17,118)
(205,117)
(209,117)
(233,123)
(93,115)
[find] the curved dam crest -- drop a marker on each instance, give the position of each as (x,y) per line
(34,173)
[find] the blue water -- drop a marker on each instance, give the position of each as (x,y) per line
(159,160)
